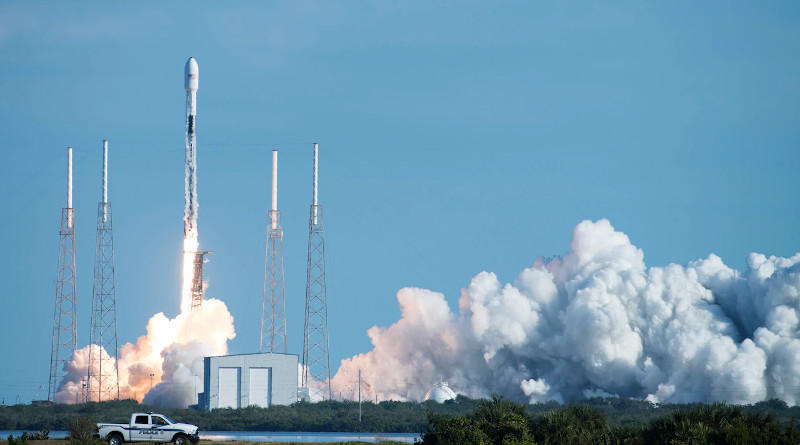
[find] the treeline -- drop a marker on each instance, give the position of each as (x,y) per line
(331,416)
(502,422)
(338,416)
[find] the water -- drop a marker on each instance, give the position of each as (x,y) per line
(53,434)
(261,436)
(267,436)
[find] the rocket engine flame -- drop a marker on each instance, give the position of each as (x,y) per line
(190,246)
(597,322)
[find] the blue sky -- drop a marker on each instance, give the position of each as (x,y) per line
(455,137)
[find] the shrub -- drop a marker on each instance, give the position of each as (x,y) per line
(41,435)
(21,440)
(576,424)
(497,421)
(81,432)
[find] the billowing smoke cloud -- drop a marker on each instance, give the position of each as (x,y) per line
(172,350)
(597,322)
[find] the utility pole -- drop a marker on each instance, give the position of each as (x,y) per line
(359,396)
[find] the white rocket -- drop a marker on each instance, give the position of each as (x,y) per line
(190,81)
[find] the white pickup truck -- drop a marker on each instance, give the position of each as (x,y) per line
(148,427)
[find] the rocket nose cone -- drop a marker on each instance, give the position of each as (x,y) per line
(191,65)
(190,75)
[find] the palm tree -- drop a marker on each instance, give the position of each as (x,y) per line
(502,420)
(574,424)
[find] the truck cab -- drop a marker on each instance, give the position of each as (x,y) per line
(150,428)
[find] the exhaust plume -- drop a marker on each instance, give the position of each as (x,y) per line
(172,350)
(597,322)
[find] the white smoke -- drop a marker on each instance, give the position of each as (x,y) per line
(172,351)
(314,390)
(597,322)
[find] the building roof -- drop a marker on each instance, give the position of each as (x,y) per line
(440,393)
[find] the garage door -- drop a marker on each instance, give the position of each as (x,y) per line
(259,387)
(229,387)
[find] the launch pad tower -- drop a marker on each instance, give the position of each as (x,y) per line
(316,356)
(197,277)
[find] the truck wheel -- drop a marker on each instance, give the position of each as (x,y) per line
(180,439)
(114,439)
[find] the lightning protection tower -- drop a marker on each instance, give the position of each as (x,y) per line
(102,381)
(65,331)
(273,306)
(316,357)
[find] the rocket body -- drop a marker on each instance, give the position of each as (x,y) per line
(190,81)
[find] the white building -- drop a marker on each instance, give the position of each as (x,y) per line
(238,381)
(440,393)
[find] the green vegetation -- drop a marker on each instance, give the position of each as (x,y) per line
(599,420)
(21,440)
(496,421)
(385,417)
(25,437)
(500,422)
(718,423)
(574,424)
(81,432)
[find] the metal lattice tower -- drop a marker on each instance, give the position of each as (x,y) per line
(316,356)
(197,278)
(273,306)
(65,329)
(102,381)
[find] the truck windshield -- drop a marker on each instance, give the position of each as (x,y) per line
(168,419)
